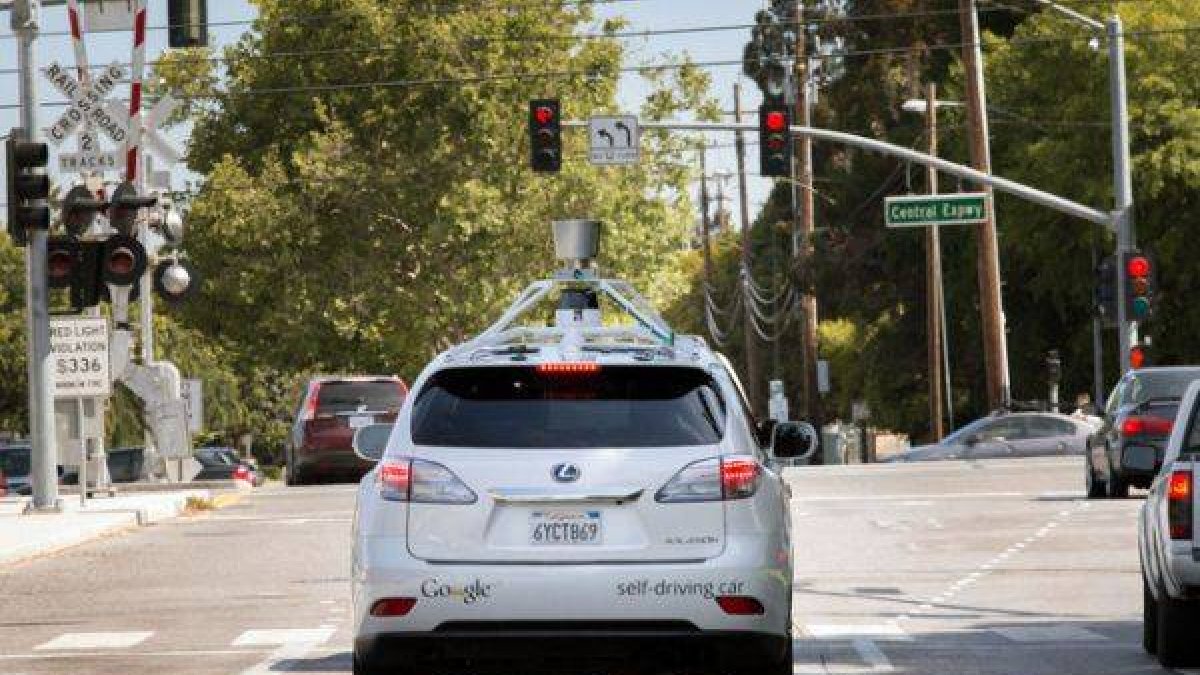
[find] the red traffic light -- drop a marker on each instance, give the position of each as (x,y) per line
(775,121)
(1138,266)
(543,114)
(1137,357)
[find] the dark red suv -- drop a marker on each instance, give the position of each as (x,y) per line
(330,411)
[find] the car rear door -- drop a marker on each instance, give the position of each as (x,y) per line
(567,467)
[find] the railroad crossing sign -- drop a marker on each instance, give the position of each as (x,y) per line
(963,208)
(87,104)
(79,348)
(614,139)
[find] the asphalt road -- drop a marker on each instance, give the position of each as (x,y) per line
(958,568)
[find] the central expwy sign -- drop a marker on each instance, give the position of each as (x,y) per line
(965,208)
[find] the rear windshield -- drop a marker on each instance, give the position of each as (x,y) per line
(15,462)
(617,407)
(1160,385)
(374,396)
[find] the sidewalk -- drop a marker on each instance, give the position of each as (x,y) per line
(27,536)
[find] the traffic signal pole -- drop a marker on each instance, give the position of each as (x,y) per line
(44,474)
(1127,330)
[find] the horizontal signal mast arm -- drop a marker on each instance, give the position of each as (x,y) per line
(1025,192)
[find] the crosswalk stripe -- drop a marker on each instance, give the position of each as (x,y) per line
(99,640)
(284,636)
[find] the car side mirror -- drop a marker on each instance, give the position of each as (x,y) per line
(974,439)
(370,441)
(765,430)
(795,440)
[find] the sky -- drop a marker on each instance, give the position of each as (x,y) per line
(641,14)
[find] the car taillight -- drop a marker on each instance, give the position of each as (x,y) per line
(739,477)
(1179,504)
(393,606)
(310,409)
(740,605)
(419,481)
(1146,426)
(241,473)
(710,480)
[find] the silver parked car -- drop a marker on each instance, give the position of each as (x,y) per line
(586,490)
(1031,434)
(1168,544)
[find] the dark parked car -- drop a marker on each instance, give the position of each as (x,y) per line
(125,464)
(15,467)
(1127,451)
(225,464)
(331,409)
(1032,434)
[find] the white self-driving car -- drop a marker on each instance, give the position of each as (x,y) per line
(554,495)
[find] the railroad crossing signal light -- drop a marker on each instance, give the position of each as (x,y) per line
(1139,285)
(775,141)
(545,135)
(74,265)
(79,209)
(122,260)
(176,280)
(28,186)
(123,209)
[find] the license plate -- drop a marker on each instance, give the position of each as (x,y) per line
(568,528)
(359,421)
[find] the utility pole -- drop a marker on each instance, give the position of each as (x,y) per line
(995,348)
(705,224)
(933,282)
(806,223)
(754,380)
(1127,329)
(44,472)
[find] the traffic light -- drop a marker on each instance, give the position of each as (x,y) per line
(1139,285)
(28,186)
(122,261)
(188,21)
(1105,290)
(1139,356)
(79,209)
(545,135)
(122,210)
(775,141)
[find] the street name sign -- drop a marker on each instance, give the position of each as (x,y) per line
(79,350)
(614,139)
(109,15)
(964,208)
(87,104)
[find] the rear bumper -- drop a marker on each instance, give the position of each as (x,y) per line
(542,647)
(330,462)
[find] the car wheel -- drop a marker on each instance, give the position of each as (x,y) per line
(1096,488)
(1149,618)
(781,666)
(1117,488)
(290,475)
(1176,626)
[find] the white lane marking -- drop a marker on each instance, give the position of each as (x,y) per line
(854,631)
(106,640)
(873,655)
(1048,634)
(295,643)
(125,655)
(283,636)
(909,498)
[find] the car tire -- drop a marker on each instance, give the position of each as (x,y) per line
(1149,618)
(1175,632)
(1096,488)
(1117,488)
(290,476)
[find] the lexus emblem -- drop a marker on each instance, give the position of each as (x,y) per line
(565,472)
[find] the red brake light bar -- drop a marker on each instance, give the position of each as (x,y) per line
(568,368)
(1146,426)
